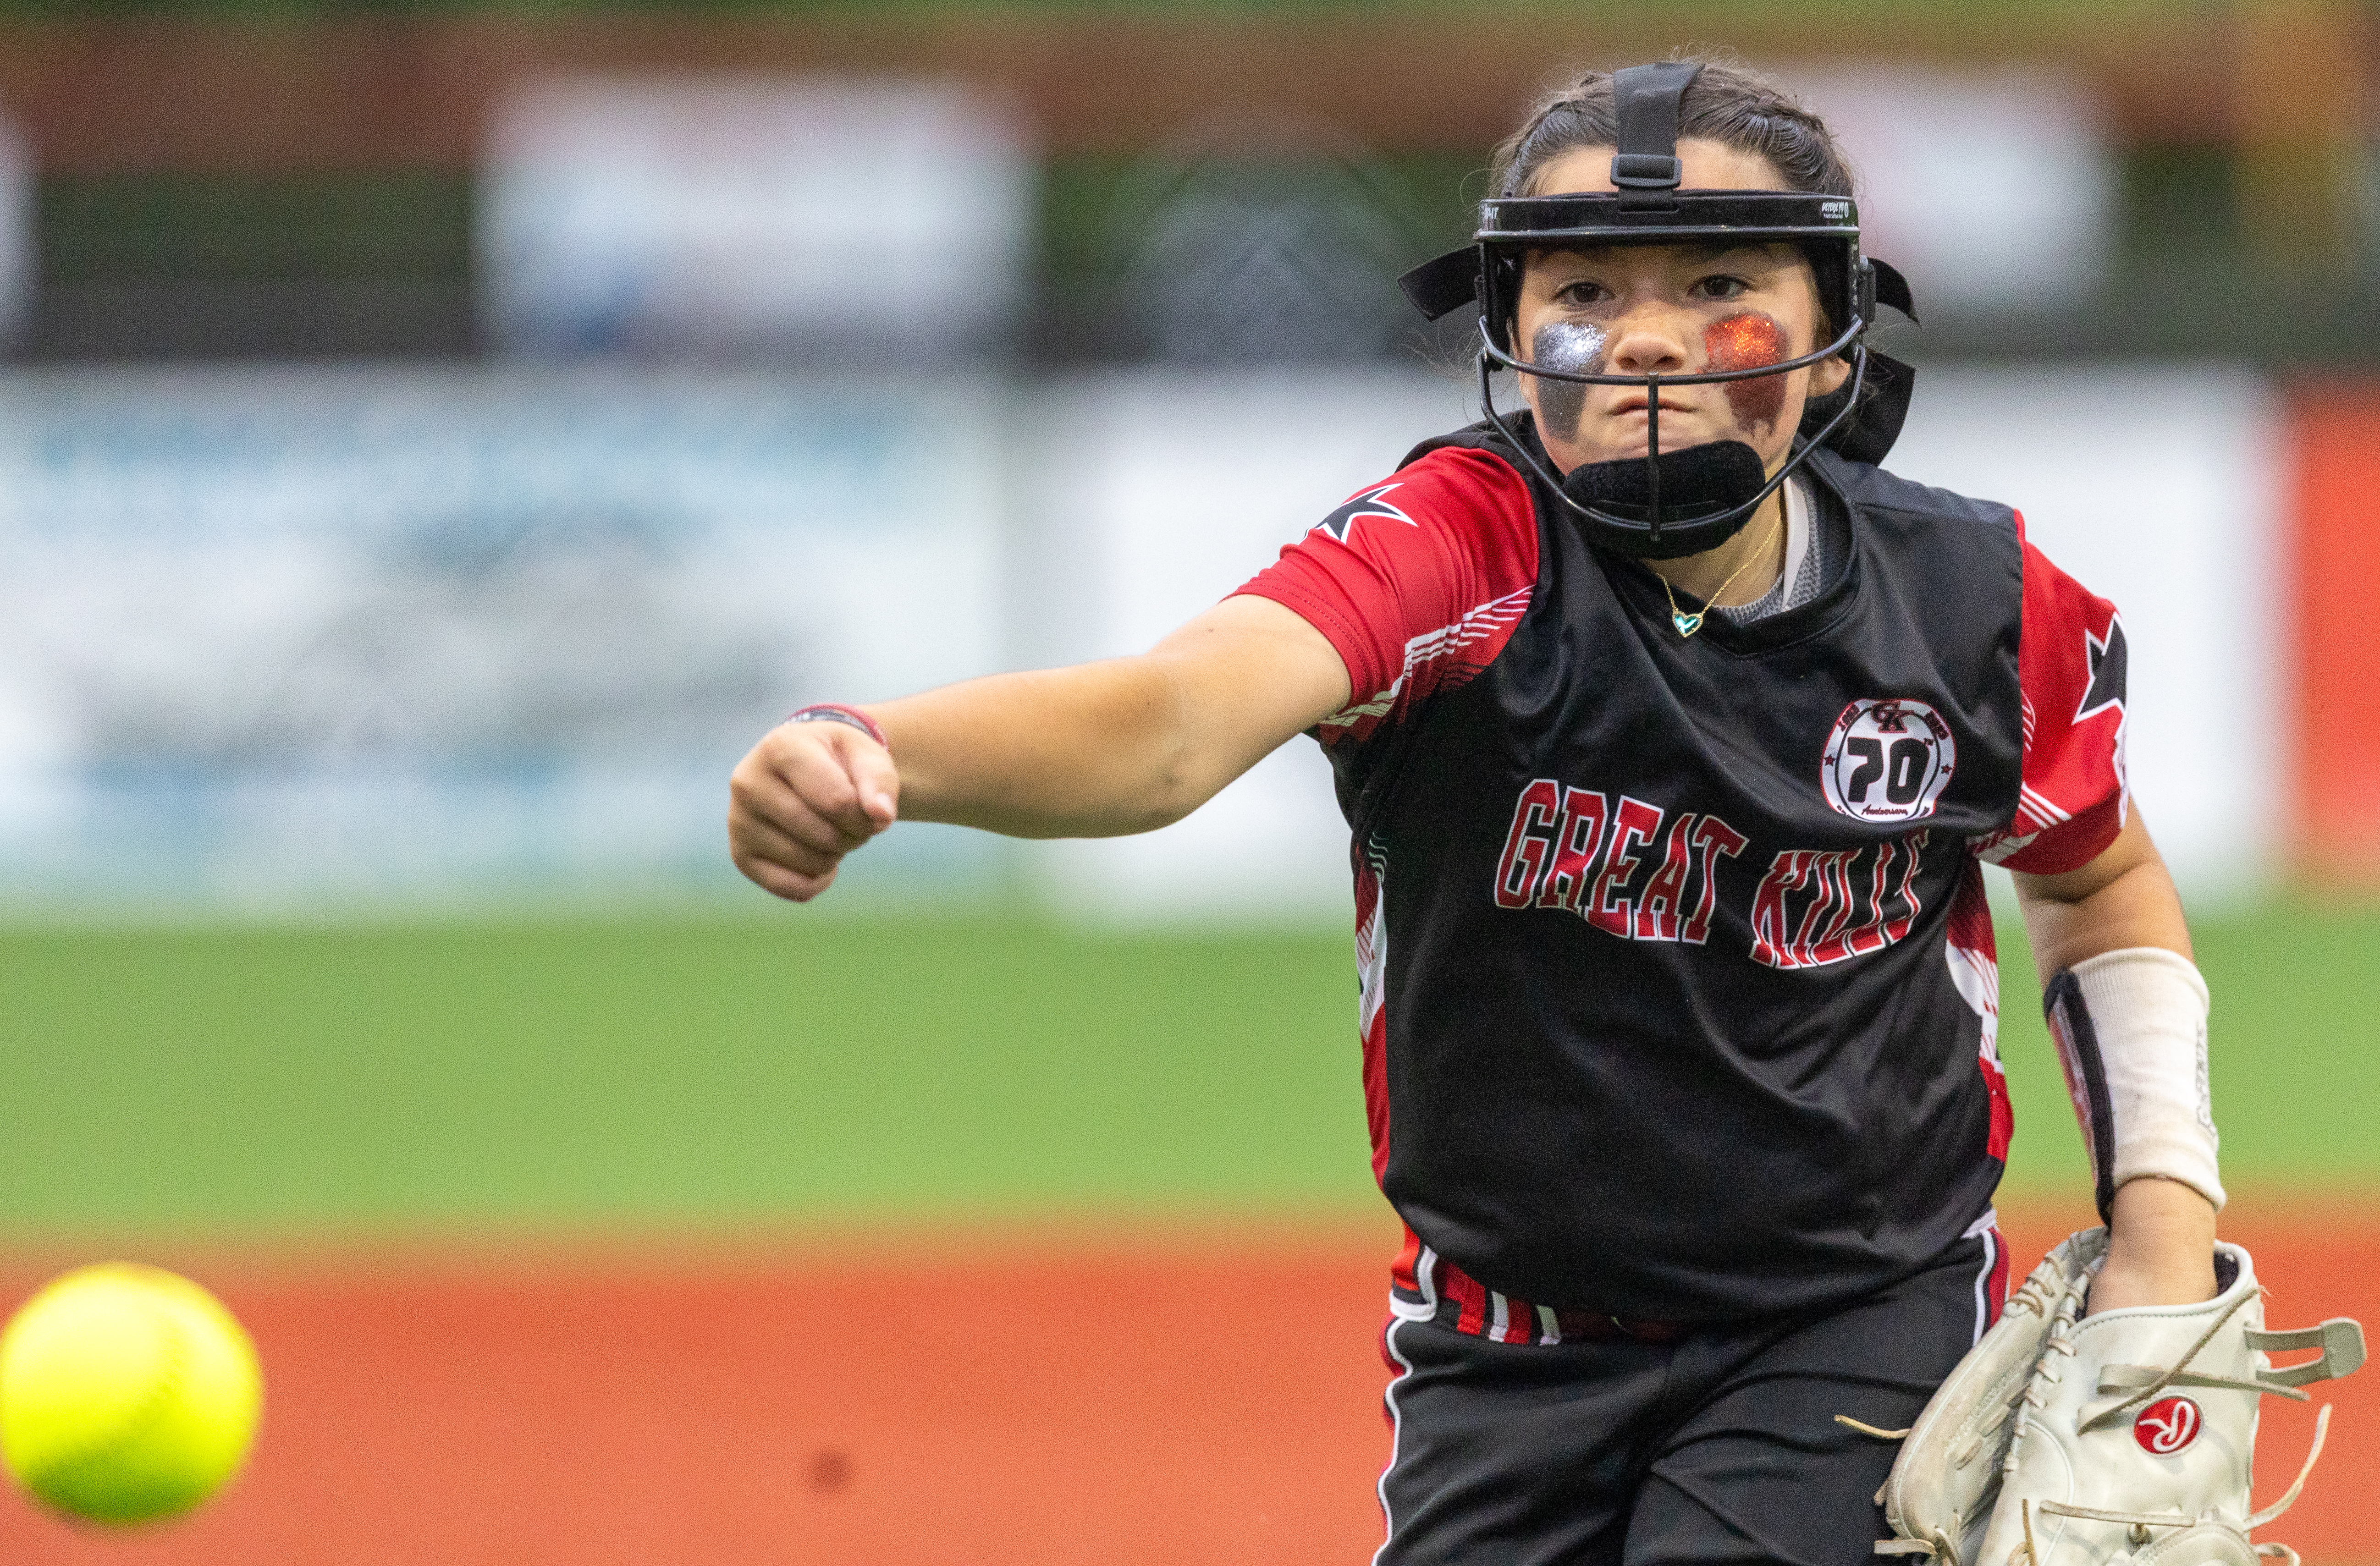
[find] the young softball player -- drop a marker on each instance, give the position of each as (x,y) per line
(1674,734)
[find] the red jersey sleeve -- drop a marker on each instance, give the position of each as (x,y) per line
(1417,581)
(2070,662)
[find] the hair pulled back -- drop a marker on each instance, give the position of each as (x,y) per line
(1726,103)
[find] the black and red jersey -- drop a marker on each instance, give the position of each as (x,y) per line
(1679,994)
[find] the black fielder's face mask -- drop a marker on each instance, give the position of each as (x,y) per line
(1681,501)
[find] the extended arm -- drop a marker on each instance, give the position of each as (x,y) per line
(1097,750)
(2161,1230)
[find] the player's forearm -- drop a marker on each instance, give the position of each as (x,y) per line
(2114,920)
(1096,751)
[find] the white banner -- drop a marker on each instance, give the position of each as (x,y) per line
(276,635)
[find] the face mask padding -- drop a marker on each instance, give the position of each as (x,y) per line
(1693,485)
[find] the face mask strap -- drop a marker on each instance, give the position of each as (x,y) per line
(1647,101)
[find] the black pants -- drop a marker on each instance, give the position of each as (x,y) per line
(1720,1447)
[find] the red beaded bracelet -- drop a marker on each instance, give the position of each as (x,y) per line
(833,712)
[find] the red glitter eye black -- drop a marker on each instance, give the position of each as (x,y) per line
(1742,342)
(1747,342)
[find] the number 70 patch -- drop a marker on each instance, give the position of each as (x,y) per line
(1887,759)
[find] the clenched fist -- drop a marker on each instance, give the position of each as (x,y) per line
(806,795)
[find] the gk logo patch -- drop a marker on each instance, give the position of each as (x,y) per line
(1887,761)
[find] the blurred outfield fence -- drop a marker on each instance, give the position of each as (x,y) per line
(289,637)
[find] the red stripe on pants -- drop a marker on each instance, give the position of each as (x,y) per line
(1466,1291)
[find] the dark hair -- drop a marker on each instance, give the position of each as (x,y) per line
(1727,103)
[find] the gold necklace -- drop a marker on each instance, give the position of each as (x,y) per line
(1689,624)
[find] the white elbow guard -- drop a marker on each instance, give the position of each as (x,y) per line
(2130,1028)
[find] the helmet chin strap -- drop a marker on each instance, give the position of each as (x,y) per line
(1713,474)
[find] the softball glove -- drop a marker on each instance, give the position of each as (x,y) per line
(1938,1498)
(2135,1433)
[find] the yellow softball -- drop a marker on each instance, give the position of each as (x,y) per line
(126,1393)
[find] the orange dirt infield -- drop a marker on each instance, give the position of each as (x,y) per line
(1074,1401)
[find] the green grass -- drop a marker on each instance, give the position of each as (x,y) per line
(272,1082)
(653,1073)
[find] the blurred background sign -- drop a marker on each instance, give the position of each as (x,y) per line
(1997,188)
(753,217)
(288,636)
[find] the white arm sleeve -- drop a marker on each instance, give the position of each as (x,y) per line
(2131,1029)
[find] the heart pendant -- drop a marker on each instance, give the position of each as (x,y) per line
(1687,623)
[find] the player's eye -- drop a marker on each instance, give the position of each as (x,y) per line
(1721,287)
(1581,293)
